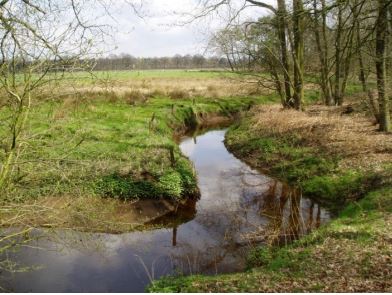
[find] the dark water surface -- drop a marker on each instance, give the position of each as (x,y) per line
(238,208)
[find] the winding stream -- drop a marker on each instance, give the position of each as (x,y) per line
(239,207)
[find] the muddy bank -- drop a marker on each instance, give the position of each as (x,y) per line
(113,215)
(92,214)
(197,122)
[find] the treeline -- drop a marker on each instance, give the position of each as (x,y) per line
(330,42)
(129,62)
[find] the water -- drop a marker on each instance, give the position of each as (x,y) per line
(239,208)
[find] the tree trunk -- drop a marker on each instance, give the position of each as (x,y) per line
(298,53)
(363,80)
(322,47)
(381,38)
(282,25)
(338,52)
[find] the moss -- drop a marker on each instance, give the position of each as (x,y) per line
(120,187)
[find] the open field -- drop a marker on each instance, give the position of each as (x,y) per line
(189,83)
(93,144)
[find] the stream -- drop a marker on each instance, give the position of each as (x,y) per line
(239,208)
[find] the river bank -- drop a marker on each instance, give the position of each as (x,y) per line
(234,206)
(338,159)
(94,160)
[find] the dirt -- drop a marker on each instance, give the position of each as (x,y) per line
(91,214)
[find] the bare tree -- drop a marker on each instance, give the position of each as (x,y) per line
(41,42)
(381,44)
(298,24)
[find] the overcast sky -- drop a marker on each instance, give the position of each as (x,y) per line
(156,34)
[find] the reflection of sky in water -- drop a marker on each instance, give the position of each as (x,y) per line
(234,202)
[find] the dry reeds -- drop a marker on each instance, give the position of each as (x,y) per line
(178,94)
(356,137)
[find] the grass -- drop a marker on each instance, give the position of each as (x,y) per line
(172,83)
(114,149)
(143,74)
(83,77)
(95,145)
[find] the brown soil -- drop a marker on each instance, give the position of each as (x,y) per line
(91,214)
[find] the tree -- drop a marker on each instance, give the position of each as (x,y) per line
(380,61)
(320,32)
(298,15)
(282,28)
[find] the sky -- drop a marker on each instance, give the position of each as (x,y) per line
(159,32)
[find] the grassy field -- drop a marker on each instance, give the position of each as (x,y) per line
(182,74)
(339,159)
(184,83)
(82,146)
(89,146)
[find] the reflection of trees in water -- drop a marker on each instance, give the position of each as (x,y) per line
(265,211)
(288,215)
(210,259)
(258,209)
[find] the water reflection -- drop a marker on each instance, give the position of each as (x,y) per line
(239,207)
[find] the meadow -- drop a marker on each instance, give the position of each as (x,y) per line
(89,150)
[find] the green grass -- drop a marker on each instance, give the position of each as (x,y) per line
(142,74)
(94,146)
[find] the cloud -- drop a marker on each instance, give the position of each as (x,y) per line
(158,32)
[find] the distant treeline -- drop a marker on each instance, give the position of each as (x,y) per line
(129,62)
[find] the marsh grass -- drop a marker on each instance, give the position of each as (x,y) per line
(110,144)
